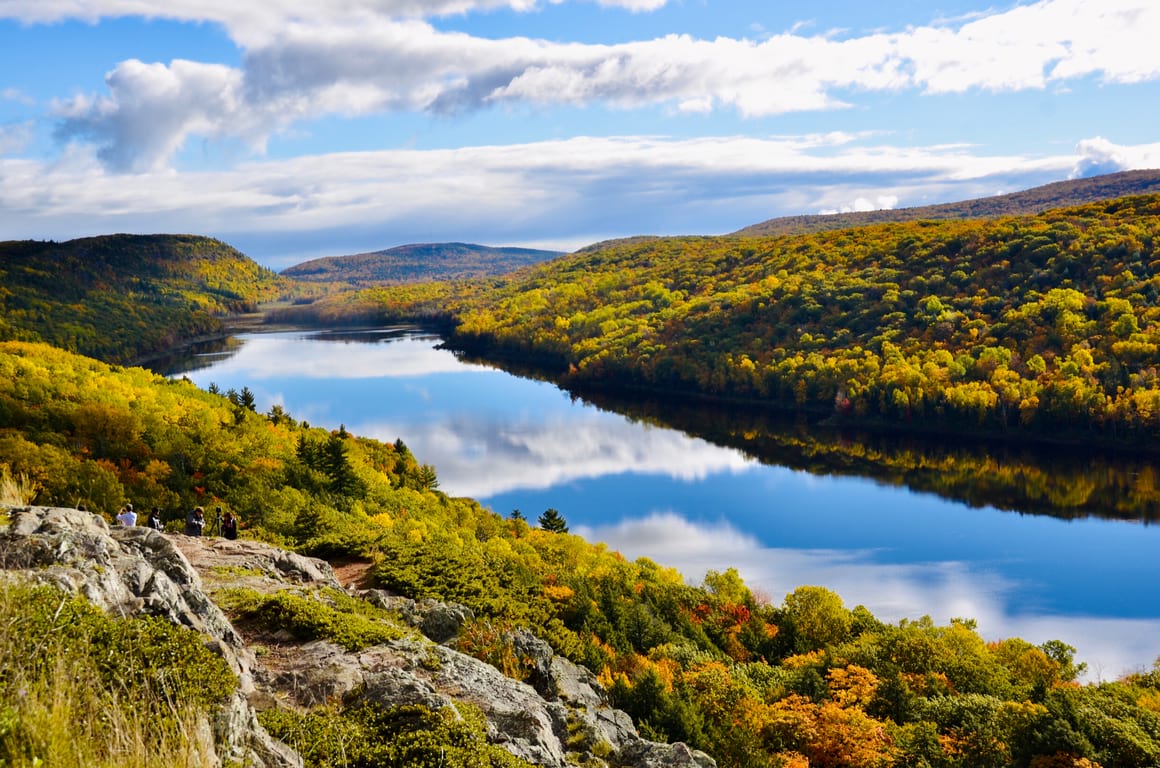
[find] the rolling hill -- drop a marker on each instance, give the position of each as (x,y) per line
(1059,194)
(418,262)
(121,297)
(1042,326)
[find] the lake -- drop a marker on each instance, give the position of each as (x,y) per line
(684,501)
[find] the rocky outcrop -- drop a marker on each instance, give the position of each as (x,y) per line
(137,570)
(561,716)
(440,622)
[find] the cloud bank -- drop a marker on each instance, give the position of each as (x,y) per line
(563,193)
(358,57)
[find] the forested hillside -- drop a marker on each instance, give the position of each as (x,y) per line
(1038,326)
(120,297)
(419,263)
(1060,194)
(752,683)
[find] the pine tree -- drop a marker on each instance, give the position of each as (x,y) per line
(553,521)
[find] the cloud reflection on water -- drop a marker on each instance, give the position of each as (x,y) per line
(892,591)
(484,458)
(306,355)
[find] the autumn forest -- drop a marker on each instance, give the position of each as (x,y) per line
(1035,328)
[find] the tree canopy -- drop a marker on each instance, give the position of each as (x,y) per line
(752,682)
(1043,326)
(120,297)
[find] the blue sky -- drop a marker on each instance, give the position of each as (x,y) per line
(295,129)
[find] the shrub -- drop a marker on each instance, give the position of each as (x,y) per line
(373,736)
(332,615)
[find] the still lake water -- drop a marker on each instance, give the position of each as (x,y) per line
(515,443)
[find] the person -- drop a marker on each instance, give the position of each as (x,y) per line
(195,522)
(230,526)
(127,516)
(155,520)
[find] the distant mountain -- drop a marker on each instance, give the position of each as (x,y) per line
(121,297)
(421,262)
(1059,194)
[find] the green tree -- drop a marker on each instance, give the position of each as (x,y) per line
(817,618)
(553,521)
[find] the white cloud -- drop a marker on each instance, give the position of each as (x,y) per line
(1098,155)
(879,203)
(552,190)
(248,17)
(359,57)
(152,108)
(636,6)
(17,95)
(1029,46)
(481,458)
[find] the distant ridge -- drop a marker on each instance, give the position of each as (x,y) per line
(420,262)
(1059,194)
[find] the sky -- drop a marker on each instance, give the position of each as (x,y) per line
(294,129)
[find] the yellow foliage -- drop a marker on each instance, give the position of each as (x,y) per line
(794,760)
(853,686)
(802,660)
(559,593)
(1149,700)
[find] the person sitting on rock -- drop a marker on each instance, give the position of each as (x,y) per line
(154,521)
(195,522)
(127,516)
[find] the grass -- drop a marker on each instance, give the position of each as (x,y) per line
(75,691)
(16,490)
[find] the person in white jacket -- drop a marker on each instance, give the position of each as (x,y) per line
(127,517)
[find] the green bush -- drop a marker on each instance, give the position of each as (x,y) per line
(373,736)
(331,615)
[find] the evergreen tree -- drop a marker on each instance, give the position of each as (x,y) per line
(246,399)
(553,521)
(336,465)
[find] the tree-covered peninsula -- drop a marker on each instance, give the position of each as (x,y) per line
(1043,326)
(122,297)
(753,682)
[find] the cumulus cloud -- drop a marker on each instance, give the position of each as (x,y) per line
(1097,155)
(879,203)
(360,57)
(152,108)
